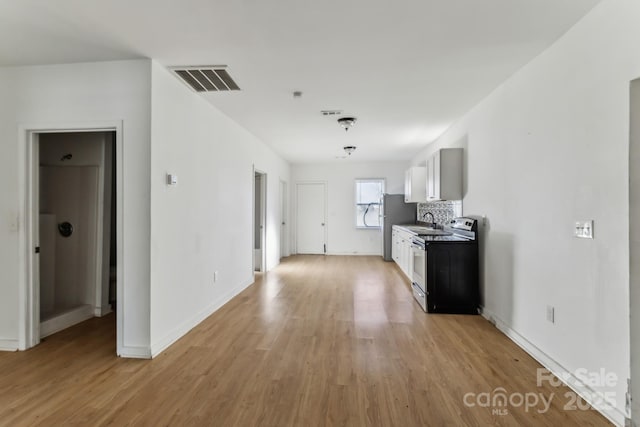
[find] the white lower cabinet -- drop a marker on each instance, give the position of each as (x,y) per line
(395,249)
(401,250)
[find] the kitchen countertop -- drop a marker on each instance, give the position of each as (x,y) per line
(429,234)
(405,228)
(420,230)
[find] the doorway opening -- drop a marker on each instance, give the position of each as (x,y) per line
(73,229)
(260,219)
(283,219)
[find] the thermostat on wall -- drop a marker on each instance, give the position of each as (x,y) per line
(172,179)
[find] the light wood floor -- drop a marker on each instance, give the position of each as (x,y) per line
(318,341)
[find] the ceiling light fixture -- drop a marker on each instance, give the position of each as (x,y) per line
(347,122)
(349,149)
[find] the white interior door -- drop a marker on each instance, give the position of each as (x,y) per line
(257,227)
(260,220)
(310,218)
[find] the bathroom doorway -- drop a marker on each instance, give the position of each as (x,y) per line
(74,201)
(283,219)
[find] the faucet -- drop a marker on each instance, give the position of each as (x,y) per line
(433,220)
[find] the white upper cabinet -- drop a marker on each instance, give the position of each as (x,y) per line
(444,175)
(415,185)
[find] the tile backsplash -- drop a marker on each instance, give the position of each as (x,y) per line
(443,212)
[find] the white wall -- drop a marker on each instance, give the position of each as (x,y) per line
(75,95)
(342,235)
(9,211)
(549,147)
(205,223)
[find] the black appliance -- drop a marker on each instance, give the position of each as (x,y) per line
(446,268)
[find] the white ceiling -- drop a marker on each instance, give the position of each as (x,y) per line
(407,69)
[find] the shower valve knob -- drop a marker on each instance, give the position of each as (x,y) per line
(65,229)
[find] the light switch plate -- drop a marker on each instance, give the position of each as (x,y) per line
(583,229)
(172,179)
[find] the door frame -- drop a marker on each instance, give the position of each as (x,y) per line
(633,386)
(295,213)
(263,219)
(28,165)
(284,219)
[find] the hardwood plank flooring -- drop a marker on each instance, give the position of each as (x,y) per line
(319,341)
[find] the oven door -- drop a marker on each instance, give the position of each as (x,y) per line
(418,274)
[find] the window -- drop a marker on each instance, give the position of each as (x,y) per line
(368,201)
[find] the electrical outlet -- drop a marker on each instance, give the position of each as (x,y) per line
(551,314)
(14,224)
(215,276)
(583,229)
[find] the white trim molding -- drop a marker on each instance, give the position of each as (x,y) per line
(29,325)
(102,311)
(9,345)
(65,320)
(353,254)
(591,396)
(182,329)
(135,352)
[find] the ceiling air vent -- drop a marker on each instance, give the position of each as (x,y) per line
(331,112)
(206,78)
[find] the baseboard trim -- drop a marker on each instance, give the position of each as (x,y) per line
(353,254)
(591,396)
(101,311)
(194,321)
(135,352)
(65,320)
(9,345)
